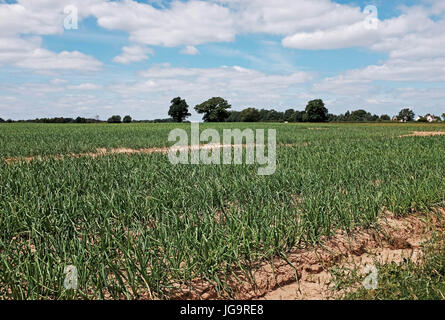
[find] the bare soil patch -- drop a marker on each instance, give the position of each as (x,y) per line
(104,152)
(305,272)
(424,134)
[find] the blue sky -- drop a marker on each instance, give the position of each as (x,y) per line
(128,57)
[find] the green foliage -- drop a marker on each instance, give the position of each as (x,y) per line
(385,117)
(288,115)
(360,116)
(179,110)
(250,115)
(114,119)
(127,119)
(234,116)
(406,115)
(298,116)
(135,225)
(316,111)
(423,280)
(214,109)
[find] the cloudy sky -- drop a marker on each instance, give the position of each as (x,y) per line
(133,57)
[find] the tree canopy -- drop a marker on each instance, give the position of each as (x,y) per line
(214,109)
(316,111)
(406,115)
(179,110)
(114,119)
(250,115)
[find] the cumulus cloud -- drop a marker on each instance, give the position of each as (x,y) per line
(190,50)
(22,24)
(183,23)
(133,54)
(28,53)
(85,86)
(284,17)
(241,86)
(358,33)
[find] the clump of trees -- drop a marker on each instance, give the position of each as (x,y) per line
(114,119)
(358,116)
(315,112)
(250,115)
(406,115)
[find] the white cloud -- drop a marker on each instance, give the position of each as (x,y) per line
(133,54)
(387,34)
(184,23)
(22,21)
(240,86)
(284,17)
(190,50)
(28,53)
(58,81)
(85,86)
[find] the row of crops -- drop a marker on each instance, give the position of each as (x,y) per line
(135,225)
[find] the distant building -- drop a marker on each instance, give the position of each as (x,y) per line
(431,118)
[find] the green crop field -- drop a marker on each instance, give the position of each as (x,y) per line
(135,225)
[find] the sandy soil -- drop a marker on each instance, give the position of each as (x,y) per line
(424,134)
(396,239)
(103,152)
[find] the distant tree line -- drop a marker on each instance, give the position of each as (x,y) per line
(217,109)
(56,120)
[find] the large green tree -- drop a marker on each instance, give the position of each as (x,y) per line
(214,109)
(406,114)
(179,110)
(114,119)
(127,119)
(316,111)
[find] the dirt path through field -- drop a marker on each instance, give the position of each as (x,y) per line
(424,134)
(103,152)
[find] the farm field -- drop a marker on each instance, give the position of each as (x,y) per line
(137,227)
